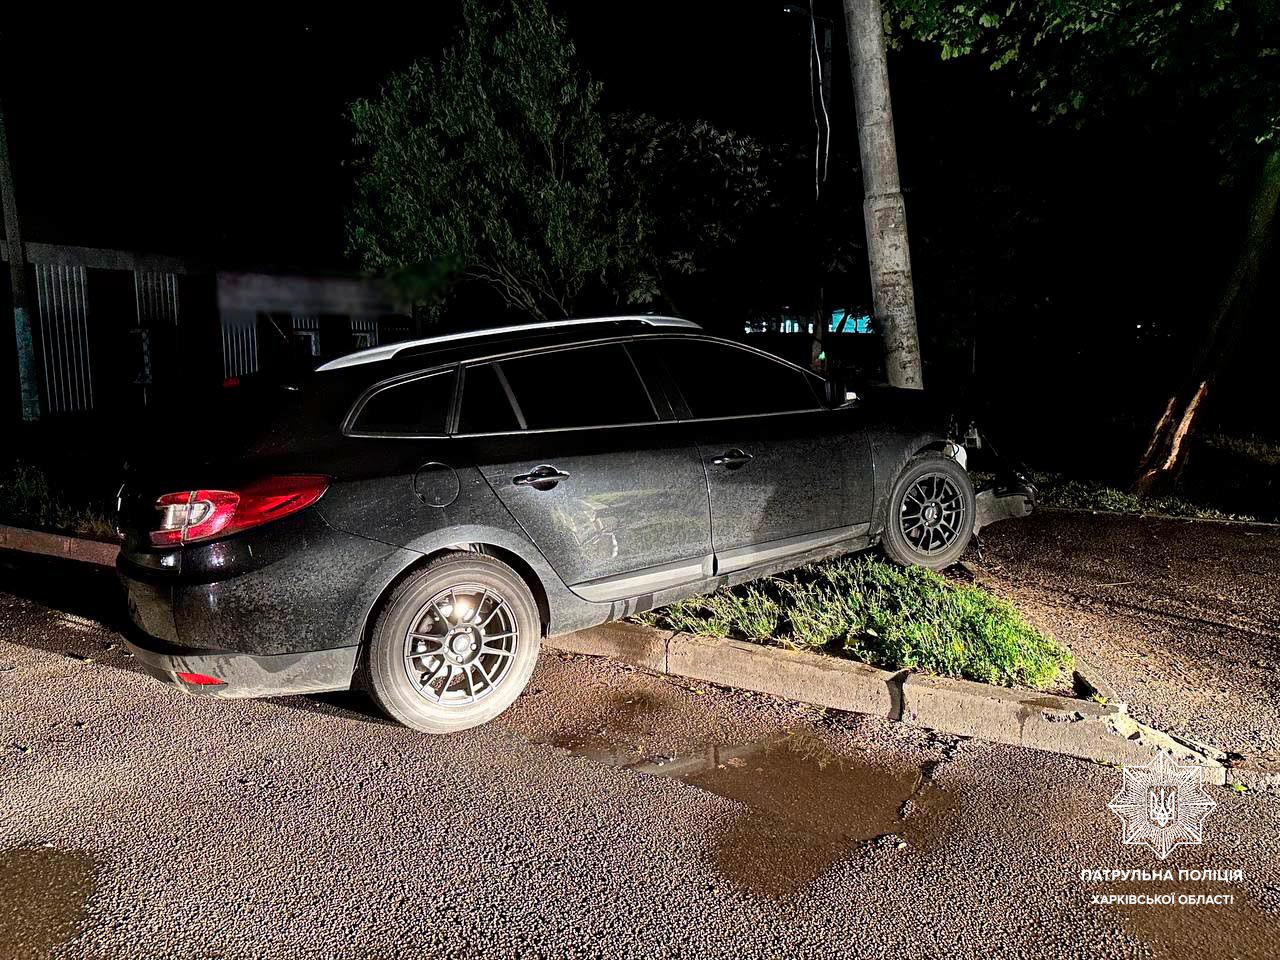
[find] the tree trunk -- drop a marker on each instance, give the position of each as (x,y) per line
(888,255)
(1166,451)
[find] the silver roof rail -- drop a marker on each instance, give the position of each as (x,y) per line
(387,351)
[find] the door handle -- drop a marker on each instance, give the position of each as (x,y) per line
(732,459)
(542,477)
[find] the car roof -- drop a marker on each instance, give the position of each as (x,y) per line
(342,383)
(451,347)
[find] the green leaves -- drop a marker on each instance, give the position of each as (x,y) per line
(492,159)
(494,164)
(1074,60)
(687,190)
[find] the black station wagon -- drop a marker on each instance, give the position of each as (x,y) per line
(416,517)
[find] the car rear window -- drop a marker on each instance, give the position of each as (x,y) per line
(417,407)
(578,387)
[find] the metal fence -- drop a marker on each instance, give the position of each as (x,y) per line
(62,304)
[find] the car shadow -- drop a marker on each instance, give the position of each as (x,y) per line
(84,596)
(344,704)
(81,589)
(86,601)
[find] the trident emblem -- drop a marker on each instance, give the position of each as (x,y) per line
(1162,805)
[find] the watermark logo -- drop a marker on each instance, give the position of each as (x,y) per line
(1162,804)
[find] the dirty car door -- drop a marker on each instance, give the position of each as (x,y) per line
(785,474)
(573,445)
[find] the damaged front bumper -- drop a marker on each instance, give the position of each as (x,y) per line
(1010,495)
(1004,499)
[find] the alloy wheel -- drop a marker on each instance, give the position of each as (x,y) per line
(932,514)
(461,645)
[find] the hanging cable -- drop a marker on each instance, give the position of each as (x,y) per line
(824,143)
(817,126)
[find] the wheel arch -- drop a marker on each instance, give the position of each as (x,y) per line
(511,558)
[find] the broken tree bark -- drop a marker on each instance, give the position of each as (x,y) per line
(1166,451)
(888,255)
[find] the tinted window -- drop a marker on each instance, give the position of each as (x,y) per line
(719,380)
(587,387)
(485,407)
(417,407)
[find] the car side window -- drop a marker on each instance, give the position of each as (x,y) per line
(578,387)
(418,407)
(486,402)
(721,380)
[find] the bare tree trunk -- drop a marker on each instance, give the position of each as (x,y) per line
(1166,451)
(888,255)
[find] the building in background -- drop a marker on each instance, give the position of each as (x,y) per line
(118,330)
(308,318)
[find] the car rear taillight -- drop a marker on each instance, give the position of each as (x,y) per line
(191,515)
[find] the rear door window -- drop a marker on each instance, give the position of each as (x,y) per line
(578,387)
(416,408)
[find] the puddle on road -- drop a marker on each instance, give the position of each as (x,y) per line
(806,805)
(42,897)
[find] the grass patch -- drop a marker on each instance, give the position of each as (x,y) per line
(1251,449)
(889,616)
(27,499)
(1060,491)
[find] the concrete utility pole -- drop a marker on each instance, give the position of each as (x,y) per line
(18,284)
(888,255)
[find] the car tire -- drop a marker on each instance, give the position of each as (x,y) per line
(929,514)
(454,644)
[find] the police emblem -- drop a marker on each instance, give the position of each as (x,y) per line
(1162,805)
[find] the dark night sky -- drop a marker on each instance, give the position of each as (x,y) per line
(226,137)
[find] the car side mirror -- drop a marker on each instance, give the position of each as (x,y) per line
(838,393)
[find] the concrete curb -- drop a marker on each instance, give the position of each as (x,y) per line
(1090,683)
(59,545)
(1103,732)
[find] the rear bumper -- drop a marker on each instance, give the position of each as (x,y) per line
(247,675)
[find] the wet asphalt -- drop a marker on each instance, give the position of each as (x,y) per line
(609,812)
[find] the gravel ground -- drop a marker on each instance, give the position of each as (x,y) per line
(608,812)
(1182,616)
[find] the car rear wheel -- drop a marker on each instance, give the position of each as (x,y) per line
(930,513)
(455,644)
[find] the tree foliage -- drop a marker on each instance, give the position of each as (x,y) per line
(1077,59)
(493,163)
(1210,66)
(690,190)
(490,160)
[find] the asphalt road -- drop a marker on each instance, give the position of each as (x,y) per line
(607,813)
(1183,617)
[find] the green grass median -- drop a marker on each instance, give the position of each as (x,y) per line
(889,616)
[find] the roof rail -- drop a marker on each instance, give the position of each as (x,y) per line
(387,351)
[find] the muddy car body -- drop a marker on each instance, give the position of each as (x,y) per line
(419,516)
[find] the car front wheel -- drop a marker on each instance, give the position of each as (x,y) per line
(930,513)
(455,644)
